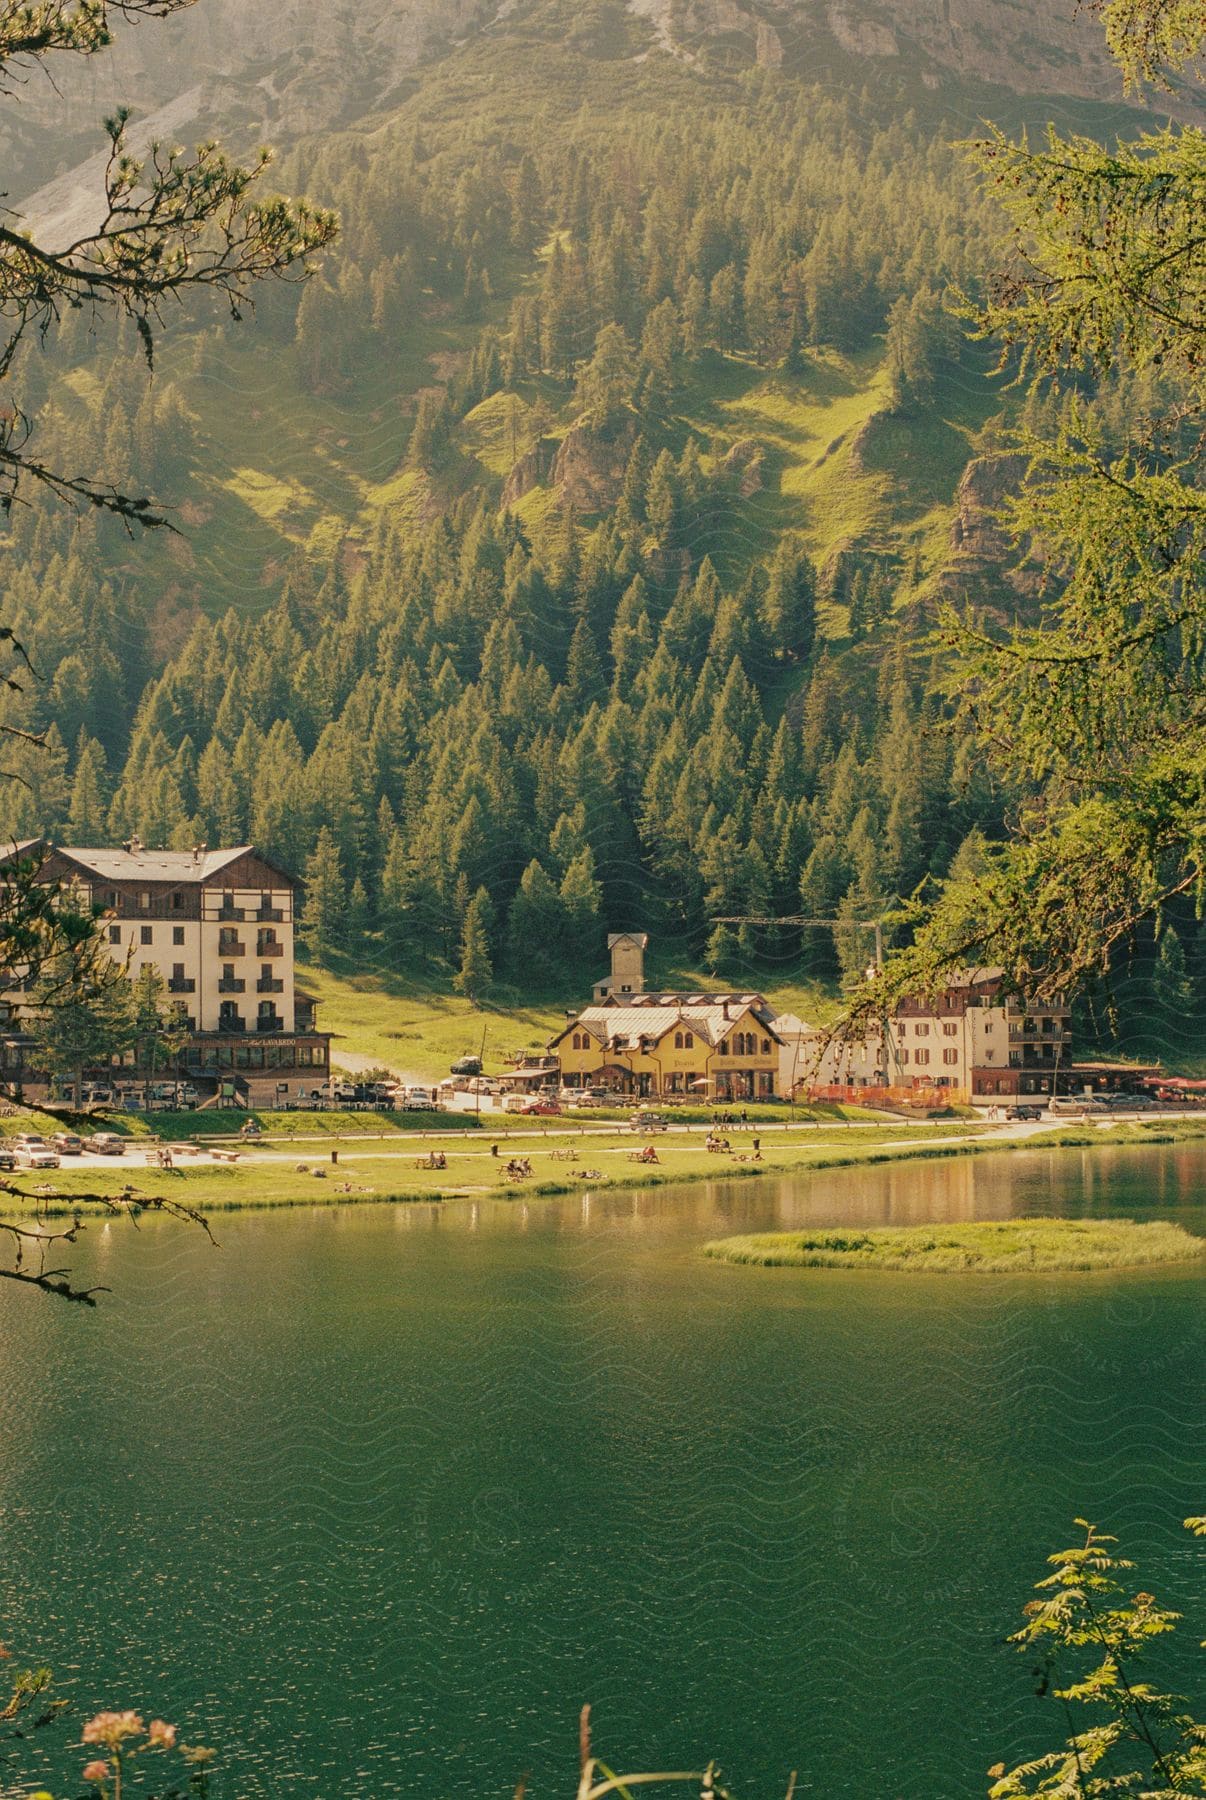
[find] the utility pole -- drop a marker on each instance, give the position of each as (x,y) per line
(875,925)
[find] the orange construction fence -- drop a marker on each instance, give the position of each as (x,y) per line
(889,1096)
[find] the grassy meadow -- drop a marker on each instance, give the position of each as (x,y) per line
(358,1164)
(1014,1246)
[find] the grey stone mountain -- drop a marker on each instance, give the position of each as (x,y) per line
(1031,46)
(249,71)
(279,72)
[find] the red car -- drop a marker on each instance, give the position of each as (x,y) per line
(543,1108)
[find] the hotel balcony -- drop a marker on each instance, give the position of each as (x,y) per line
(272,986)
(269,915)
(182,984)
(272,948)
(234,948)
(234,986)
(228,915)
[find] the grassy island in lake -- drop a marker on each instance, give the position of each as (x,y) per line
(1007,1247)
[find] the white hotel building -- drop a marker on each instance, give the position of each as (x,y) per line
(218,925)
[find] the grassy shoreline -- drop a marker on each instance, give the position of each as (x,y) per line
(364,1176)
(1015,1246)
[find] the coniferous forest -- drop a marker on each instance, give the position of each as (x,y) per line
(559,602)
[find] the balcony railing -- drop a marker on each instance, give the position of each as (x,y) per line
(269,986)
(182,984)
(234,948)
(1034,1034)
(269,915)
(231,1022)
(235,985)
(232,915)
(272,948)
(269,1022)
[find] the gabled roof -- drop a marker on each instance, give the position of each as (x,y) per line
(639,938)
(789,1025)
(183,867)
(649,1017)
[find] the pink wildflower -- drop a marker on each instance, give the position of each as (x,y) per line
(96,1771)
(161,1734)
(112,1729)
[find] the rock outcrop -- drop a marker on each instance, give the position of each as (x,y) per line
(529,471)
(984,564)
(588,469)
(744,463)
(1032,46)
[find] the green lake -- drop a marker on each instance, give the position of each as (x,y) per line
(376,1498)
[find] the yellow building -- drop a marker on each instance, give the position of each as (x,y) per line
(716,1047)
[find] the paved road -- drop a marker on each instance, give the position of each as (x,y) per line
(509,1127)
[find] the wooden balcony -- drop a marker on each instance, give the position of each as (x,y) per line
(235,985)
(182,984)
(272,948)
(269,986)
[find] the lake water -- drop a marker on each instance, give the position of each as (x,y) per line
(377,1498)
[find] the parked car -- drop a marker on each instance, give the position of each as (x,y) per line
(7,1160)
(419,1099)
(545,1109)
(647,1121)
(105,1143)
(1023,1112)
(99,1095)
(67,1143)
(33,1152)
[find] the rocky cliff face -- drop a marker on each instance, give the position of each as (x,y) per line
(1032,46)
(274,72)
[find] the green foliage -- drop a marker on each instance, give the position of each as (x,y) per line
(1093,715)
(323,927)
(83,1012)
(1136,1738)
(476,972)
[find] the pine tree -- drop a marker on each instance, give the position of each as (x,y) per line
(324,915)
(89,803)
(536,926)
(582,898)
(476,970)
(605,386)
(790,602)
